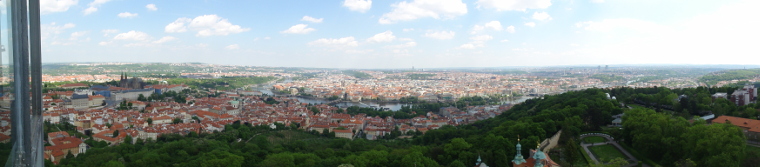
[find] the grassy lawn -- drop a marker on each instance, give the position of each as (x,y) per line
(594,139)
(635,106)
(606,153)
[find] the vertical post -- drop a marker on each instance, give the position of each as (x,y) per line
(20,107)
(35,51)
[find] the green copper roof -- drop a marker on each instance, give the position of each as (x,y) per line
(518,159)
(518,156)
(539,155)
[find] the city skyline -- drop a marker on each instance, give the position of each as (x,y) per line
(400,34)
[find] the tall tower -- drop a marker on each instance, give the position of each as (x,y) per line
(518,157)
(539,156)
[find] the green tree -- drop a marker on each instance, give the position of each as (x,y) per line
(375,158)
(115,134)
(456,163)
(685,163)
(69,155)
(113,164)
(416,159)
(218,158)
(278,160)
(128,139)
(176,121)
(458,149)
(150,121)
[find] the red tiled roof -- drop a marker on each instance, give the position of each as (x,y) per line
(749,124)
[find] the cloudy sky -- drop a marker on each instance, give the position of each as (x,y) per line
(403,33)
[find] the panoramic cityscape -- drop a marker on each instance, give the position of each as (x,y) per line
(362,83)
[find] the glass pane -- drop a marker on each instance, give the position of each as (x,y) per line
(6,88)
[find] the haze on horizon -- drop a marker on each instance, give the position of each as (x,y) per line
(402,33)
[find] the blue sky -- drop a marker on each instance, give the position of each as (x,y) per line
(402,33)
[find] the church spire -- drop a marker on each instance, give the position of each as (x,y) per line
(518,157)
(539,156)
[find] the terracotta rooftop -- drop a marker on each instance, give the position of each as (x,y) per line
(749,124)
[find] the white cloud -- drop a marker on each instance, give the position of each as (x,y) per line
(133,35)
(265,38)
(482,38)
(493,25)
(298,29)
(405,45)
(519,5)
(438,9)
(55,29)
(90,10)
(530,24)
(52,30)
(127,15)
(477,42)
(504,40)
(616,24)
(386,36)
(408,29)
(164,39)
(177,26)
(511,29)
(151,7)
(232,47)
(76,35)
(541,16)
(597,1)
(104,43)
(93,6)
(358,5)
(108,32)
(472,45)
(332,42)
(206,25)
(354,51)
(410,44)
(440,34)
(311,19)
(467,46)
(52,6)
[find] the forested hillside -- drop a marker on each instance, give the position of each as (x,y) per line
(728,75)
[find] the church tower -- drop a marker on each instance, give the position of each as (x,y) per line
(518,157)
(539,156)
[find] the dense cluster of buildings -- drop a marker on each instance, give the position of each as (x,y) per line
(84,108)
(440,86)
(741,96)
